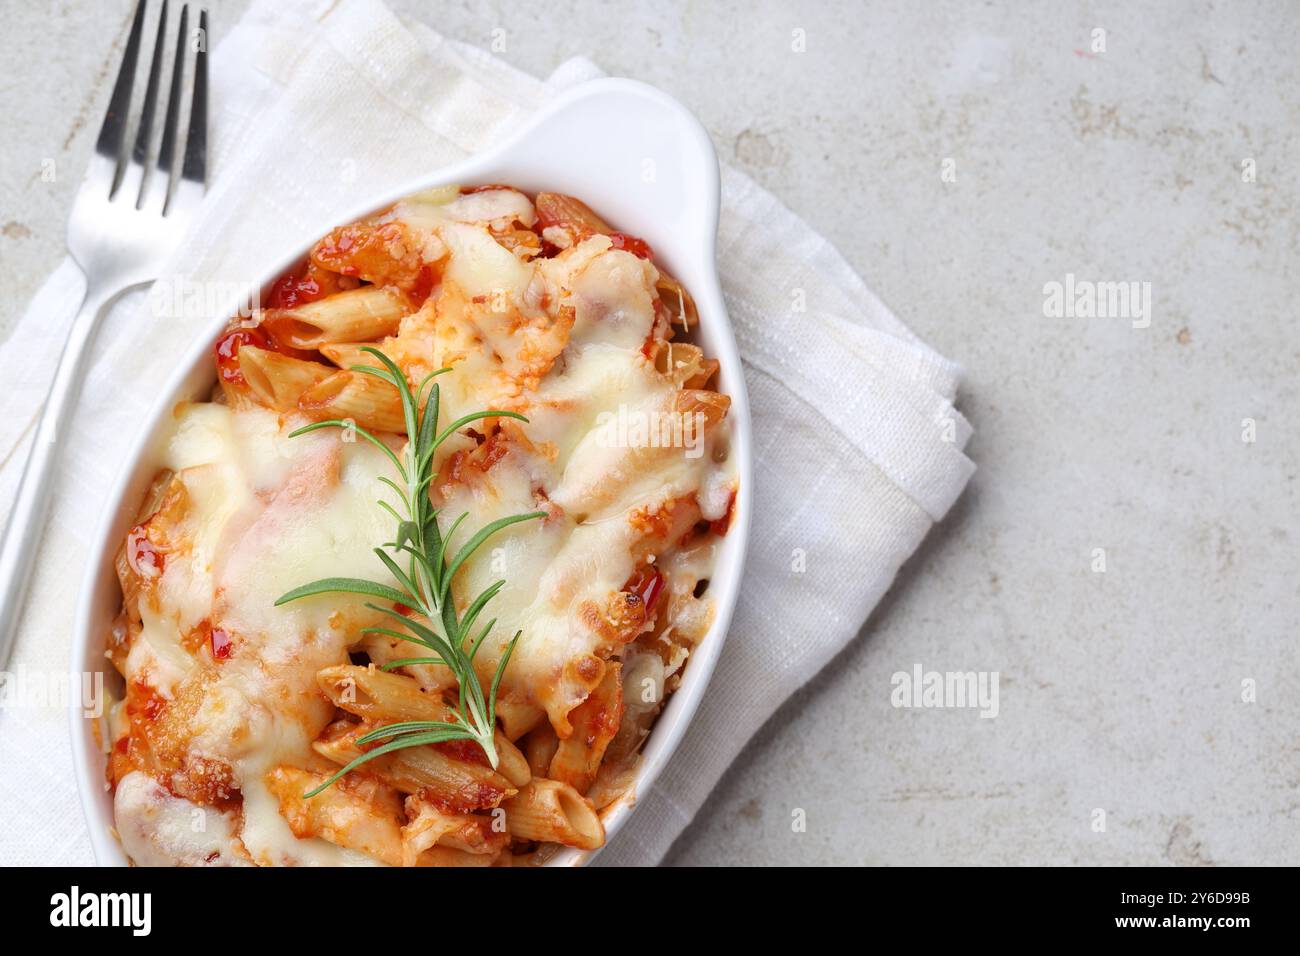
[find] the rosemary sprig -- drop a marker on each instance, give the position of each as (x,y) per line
(425,581)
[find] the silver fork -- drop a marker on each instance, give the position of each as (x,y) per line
(124,221)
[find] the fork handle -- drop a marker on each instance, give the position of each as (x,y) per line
(22,538)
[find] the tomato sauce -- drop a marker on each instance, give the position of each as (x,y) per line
(143,703)
(720,526)
(638,247)
(422,288)
(145,558)
(297,288)
(228,347)
(648,585)
(466,751)
(223,645)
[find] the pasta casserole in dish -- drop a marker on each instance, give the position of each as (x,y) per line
(413,585)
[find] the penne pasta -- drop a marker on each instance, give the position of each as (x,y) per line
(431,826)
(553,812)
(518,717)
(450,856)
(558,208)
(278,381)
(348,354)
(539,748)
(380,696)
(712,405)
(462,785)
(360,814)
(685,364)
(140,560)
(356,397)
(384,697)
(370,312)
(465,785)
(156,494)
(511,762)
(130,582)
(679,302)
(382,649)
(595,722)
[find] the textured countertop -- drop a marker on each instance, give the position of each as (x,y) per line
(963,157)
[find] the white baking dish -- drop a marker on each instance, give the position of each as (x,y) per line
(639,158)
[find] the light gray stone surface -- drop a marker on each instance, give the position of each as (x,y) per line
(1122,690)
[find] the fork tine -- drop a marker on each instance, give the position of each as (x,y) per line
(167,151)
(196,142)
(113,133)
(140,151)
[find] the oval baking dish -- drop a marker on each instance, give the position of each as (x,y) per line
(646,165)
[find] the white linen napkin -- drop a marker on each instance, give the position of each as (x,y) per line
(316,105)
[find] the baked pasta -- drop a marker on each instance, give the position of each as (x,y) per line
(570,395)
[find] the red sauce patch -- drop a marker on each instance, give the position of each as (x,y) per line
(648,585)
(422,287)
(475,796)
(492,451)
(638,247)
(258,336)
(467,751)
(143,702)
(604,723)
(468,465)
(144,557)
(720,526)
(297,288)
(223,645)
(228,347)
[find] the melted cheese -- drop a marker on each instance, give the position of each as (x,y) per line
(158,829)
(580,455)
(265,514)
